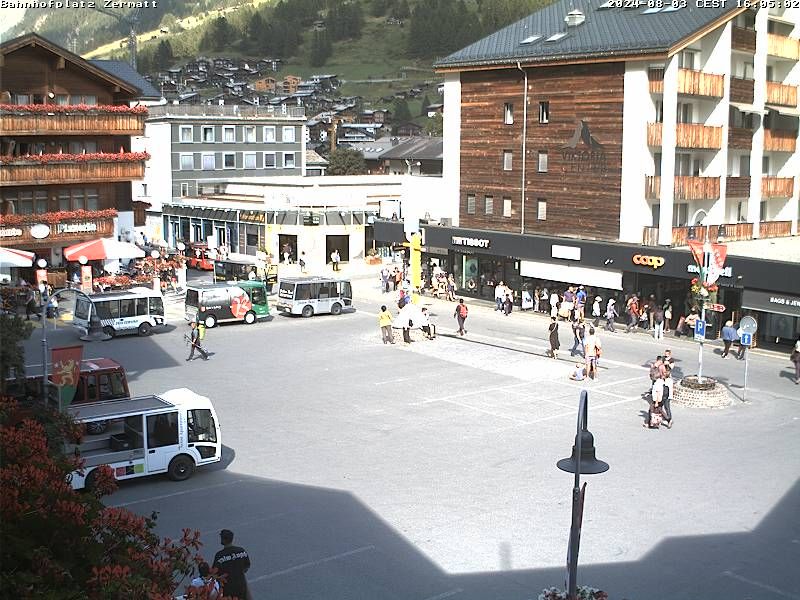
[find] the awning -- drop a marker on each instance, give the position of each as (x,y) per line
(772,302)
(747,108)
(570,274)
(784,110)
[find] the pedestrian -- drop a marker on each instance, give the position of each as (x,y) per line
(691,321)
(302,262)
(580,297)
(195,343)
(30,304)
(729,336)
(537,293)
(632,310)
(52,308)
(231,563)
(593,348)
(451,288)
(407,325)
(338,260)
(499,296)
(597,311)
(555,344)
(611,315)
(508,304)
(204,586)
(651,307)
(666,397)
(567,304)
(795,358)
(655,416)
(385,280)
(658,322)
(667,315)
(251,276)
(668,360)
(554,301)
(578,333)
(427,326)
(398,277)
(385,323)
(460,314)
(578,373)
(333,260)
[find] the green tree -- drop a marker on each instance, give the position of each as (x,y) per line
(423,111)
(13,331)
(320,49)
(164,56)
(400,111)
(218,35)
(346,161)
(435,125)
(378,8)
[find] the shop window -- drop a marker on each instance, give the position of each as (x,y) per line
(229,160)
(508,113)
(507,160)
(208,134)
(249,160)
(544,112)
(488,205)
(543,161)
(250,133)
(186,134)
(506,206)
(470,204)
(229,133)
(269,160)
(269,134)
(541,209)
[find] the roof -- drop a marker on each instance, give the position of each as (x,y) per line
(418,148)
(607,32)
(312,158)
(124,71)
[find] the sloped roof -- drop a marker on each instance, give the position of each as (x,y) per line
(606,32)
(124,71)
(417,148)
(314,159)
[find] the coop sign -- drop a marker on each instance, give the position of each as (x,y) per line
(76,227)
(471,242)
(10,232)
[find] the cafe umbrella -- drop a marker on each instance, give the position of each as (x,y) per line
(11,257)
(103,249)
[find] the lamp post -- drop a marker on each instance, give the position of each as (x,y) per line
(582,461)
(42,264)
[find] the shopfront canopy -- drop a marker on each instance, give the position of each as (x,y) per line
(11,257)
(103,249)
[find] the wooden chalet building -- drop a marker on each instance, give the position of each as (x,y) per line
(66,164)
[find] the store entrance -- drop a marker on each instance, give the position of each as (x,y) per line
(287,246)
(477,275)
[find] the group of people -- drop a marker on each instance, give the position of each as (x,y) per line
(386,324)
(661,389)
(562,305)
(503,298)
(226,577)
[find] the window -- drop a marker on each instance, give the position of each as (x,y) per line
(22,99)
(156,306)
(90,100)
(686,59)
(249,133)
(187,162)
(269,160)
(543,161)
(488,205)
(544,112)
(209,162)
(269,134)
(40,201)
(744,165)
(506,206)
(507,158)
(657,163)
(64,200)
(229,160)
(228,133)
(144,189)
(287,135)
(62,99)
(470,204)
(249,160)
(200,425)
(186,135)
(141,307)
(208,133)
(288,160)
(184,189)
(742,212)
(162,430)
(660,111)
(108,309)
(127,308)
(541,209)
(765,166)
(684,112)
(508,113)
(680,214)
(762,211)
(92,199)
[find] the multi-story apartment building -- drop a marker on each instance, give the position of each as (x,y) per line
(623,124)
(193,148)
(65,146)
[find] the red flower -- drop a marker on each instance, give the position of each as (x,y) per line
(59,216)
(73,158)
(72,108)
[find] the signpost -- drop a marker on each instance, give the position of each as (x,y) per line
(700,331)
(747,329)
(716,307)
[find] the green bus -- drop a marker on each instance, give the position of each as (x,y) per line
(212,303)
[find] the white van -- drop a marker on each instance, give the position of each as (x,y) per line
(138,310)
(309,296)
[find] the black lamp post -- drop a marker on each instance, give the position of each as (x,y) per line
(582,461)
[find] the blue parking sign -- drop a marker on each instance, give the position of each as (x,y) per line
(699,330)
(746,339)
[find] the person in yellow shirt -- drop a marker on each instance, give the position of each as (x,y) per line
(385,322)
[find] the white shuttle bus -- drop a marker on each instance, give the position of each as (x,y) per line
(172,433)
(137,310)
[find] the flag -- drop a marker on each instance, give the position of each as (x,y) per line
(717,255)
(697,251)
(66,371)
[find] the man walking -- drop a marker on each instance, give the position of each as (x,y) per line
(578,333)
(611,314)
(461,315)
(658,321)
(729,335)
(592,349)
(499,296)
(385,280)
(232,562)
(195,343)
(385,323)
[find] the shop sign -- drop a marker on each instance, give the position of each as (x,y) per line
(76,227)
(565,252)
(772,302)
(40,231)
(649,261)
(726,272)
(471,242)
(10,232)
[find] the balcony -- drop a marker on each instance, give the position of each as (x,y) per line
(744,40)
(740,138)
(783,46)
(780,140)
(109,168)
(686,188)
(16,229)
(17,121)
(742,90)
(777,187)
(782,95)
(690,83)
(688,135)
(239,112)
(737,187)
(730,232)
(774,229)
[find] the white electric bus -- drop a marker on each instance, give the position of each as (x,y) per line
(309,296)
(137,310)
(171,433)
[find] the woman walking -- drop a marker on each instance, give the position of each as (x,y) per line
(611,314)
(554,342)
(795,358)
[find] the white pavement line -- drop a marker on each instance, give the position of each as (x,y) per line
(487,412)
(444,595)
(472,393)
(763,586)
(388,381)
(175,494)
(313,563)
(239,524)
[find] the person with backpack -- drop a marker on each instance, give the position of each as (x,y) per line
(461,315)
(194,338)
(658,322)
(632,307)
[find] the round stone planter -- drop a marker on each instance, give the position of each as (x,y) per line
(696,394)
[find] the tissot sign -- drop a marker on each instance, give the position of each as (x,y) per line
(470,242)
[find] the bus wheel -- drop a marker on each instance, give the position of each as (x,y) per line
(250,317)
(210,321)
(109,331)
(180,468)
(336,309)
(307,311)
(145,329)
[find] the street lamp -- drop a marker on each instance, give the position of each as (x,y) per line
(582,461)
(42,264)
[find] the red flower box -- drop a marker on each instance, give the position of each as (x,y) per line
(73,108)
(59,216)
(44,159)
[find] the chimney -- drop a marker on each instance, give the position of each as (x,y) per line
(574,18)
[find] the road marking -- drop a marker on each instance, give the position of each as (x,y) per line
(472,393)
(313,563)
(393,380)
(240,524)
(444,595)
(763,586)
(175,494)
(486,412)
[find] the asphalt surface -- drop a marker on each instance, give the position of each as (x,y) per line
(357,470)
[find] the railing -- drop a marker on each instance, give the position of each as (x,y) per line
(777,187)
(690,82)
(740,138)
(737,187)
(744,40)
(729,232)
(742,90)
(77,123)
(688,135)
(783,46)
(63,232)
(783,95)
(655,75)
(686,187)
(780,140)
(58,172)
(242,112)
(773,229)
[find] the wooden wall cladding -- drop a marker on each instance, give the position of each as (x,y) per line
(582,138)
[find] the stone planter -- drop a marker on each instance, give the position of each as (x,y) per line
(706,394)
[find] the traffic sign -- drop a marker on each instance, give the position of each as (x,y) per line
(699,330)
(746,339)
(716,307)
(748,325)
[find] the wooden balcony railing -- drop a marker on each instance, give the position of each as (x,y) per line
(737,187)
(690,82)
(777,187)
(781,94)
(78,123)
(783,46)
(694,135)
(742,90)
(686,188)
(740,138)
(744,40)
(773,229)
(780,140)
(69,172)
(729,232)
(655,76)
(65,232)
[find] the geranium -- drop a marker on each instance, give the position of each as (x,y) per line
(76,158)
(584,593)
(59,216)
(73,108)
